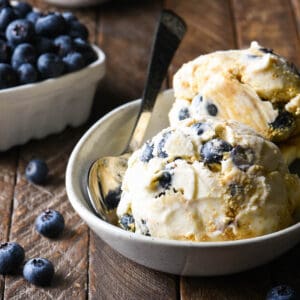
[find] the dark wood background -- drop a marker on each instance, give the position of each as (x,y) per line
(86,268)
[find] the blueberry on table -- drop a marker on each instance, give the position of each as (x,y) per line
(50,223)
(73,62)
(63,45)
(39,271)
(36,171)
(77,29)
(50,65)
(7,15)
(33,16)
(11,257)
(5,52)
(282,292)
(23,53)
(213,150)
(19,31)
(43,45)
(22,9)
(8,76)
(51,25)
(27,74)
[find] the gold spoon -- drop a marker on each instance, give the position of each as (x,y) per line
(106,174)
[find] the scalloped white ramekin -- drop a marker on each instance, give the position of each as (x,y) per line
(33,111)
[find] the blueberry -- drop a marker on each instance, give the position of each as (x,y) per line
(147,153)
(212,109)
(50,65)
(243,158)
(213,150)
(22,9)
(197,99)
(11,257)
(144,228)
(8,76)
(51,25)
(7,15)
(68,16)
(4,3)
(78,30)
(86,50)
(112,199)
(284,120)
(43,45)
(165,179)
(73,62)
(27,74)
(183,114)
(5,52)
(63,45)
(36,171)
(282,292)
(50,223)
(39,271)
(199,128)
(127,222)
(33,16)
(161,145)
(19,31)
(23,53)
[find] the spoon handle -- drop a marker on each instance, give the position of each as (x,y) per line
(169,33)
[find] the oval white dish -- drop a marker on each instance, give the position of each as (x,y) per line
(36,110)
(176,257)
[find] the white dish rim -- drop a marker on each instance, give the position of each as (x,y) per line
(96,221)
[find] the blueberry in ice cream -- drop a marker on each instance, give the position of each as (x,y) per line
(254,86)
(208,179)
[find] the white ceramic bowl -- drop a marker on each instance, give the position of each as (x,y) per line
(75,3)
(108,136)
(36,110)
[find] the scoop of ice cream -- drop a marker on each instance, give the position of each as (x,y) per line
(254,86)
(207,180)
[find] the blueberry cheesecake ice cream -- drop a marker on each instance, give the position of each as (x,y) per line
(207,179)
(253,86)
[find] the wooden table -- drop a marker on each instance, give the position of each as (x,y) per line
(86,268)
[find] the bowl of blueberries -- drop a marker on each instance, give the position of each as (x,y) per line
(49,72)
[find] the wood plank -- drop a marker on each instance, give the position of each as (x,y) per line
(295,7)
(271,23)
(69,253)
(125,34)
(8,166)
(115,277)
(209,29)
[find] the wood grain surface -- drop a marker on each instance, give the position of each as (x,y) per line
(87,268)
